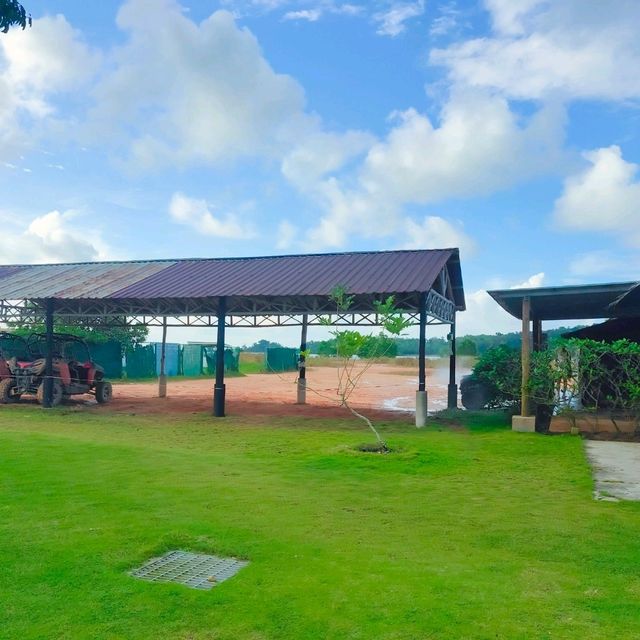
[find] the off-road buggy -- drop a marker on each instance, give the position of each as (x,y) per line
(14,354)
(73,370)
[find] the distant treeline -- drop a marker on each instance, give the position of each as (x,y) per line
(380,345)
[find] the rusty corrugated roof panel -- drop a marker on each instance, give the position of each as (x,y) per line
(75,281)
(360,273)
(5,272)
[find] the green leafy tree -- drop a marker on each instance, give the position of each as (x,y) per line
(467,347)
(12,13)
(349,343)
(128,337)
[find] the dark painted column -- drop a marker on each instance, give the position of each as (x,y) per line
(219,389)
(421,393)
(302,375)
(48,369)
(452,389)
(422,372)
(537,335)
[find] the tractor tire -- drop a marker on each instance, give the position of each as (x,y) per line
(57,393)
(104,392)
(6,391)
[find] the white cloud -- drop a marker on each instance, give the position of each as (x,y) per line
(392,21)
(182,93)
(603,263)
(565,48)
(310,15)
(604,197)
(322,153)
(52,237)
(196,214)
(479,146)
(35,66)
(287,234)
(484,315)
(435,232)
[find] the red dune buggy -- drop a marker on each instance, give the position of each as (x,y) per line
(73,370)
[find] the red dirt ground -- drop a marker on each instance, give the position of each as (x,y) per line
(386,391)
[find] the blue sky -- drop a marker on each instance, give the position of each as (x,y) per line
(152,128)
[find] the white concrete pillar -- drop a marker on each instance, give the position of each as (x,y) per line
(421,408)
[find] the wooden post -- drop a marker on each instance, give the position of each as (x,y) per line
(302,374)
(526,355)
(421,393)
(452,389)
(47,396)
(219,388)
(162,380)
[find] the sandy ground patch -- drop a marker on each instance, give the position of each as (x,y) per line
(616,468)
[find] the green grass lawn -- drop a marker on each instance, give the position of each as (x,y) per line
(478,533)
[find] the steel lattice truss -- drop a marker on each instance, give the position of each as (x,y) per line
(197,313)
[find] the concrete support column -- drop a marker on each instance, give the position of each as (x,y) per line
(162,379)
(421,393)
(452,389)
(302,374)
(47,399)
(219,388)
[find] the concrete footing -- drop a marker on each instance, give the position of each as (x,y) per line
(421,408)
(302,391)
(162,386)
(524,424)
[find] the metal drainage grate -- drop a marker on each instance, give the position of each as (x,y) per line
(195,570)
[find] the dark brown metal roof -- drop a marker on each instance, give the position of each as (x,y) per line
(361,273)
(609,331)
(580,302)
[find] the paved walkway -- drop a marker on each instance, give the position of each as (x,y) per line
(616,468)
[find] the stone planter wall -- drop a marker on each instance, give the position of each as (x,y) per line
(593,423)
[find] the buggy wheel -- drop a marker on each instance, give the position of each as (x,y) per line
(56,393)
(104,392)
(7,391)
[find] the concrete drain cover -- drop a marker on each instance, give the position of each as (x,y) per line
(195,570)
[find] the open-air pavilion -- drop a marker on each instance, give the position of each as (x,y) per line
(581,302)
(223,293)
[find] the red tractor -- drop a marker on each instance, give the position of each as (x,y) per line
(73,370)
(14,354)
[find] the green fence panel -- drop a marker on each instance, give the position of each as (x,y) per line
(192,360)
(282,359)
(231,359)
(109,356)
(171,358)
(141,362)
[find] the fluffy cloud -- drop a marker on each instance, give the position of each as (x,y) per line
(392,21)
(184,93)
(52,237)
(435,232)
(196,214)
(35,66)
(565,48)
(604,263)
(478,146)
(484,315)
(604,197)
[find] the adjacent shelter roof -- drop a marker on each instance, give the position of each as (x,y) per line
(267,280)
(609,331)
(567,303)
